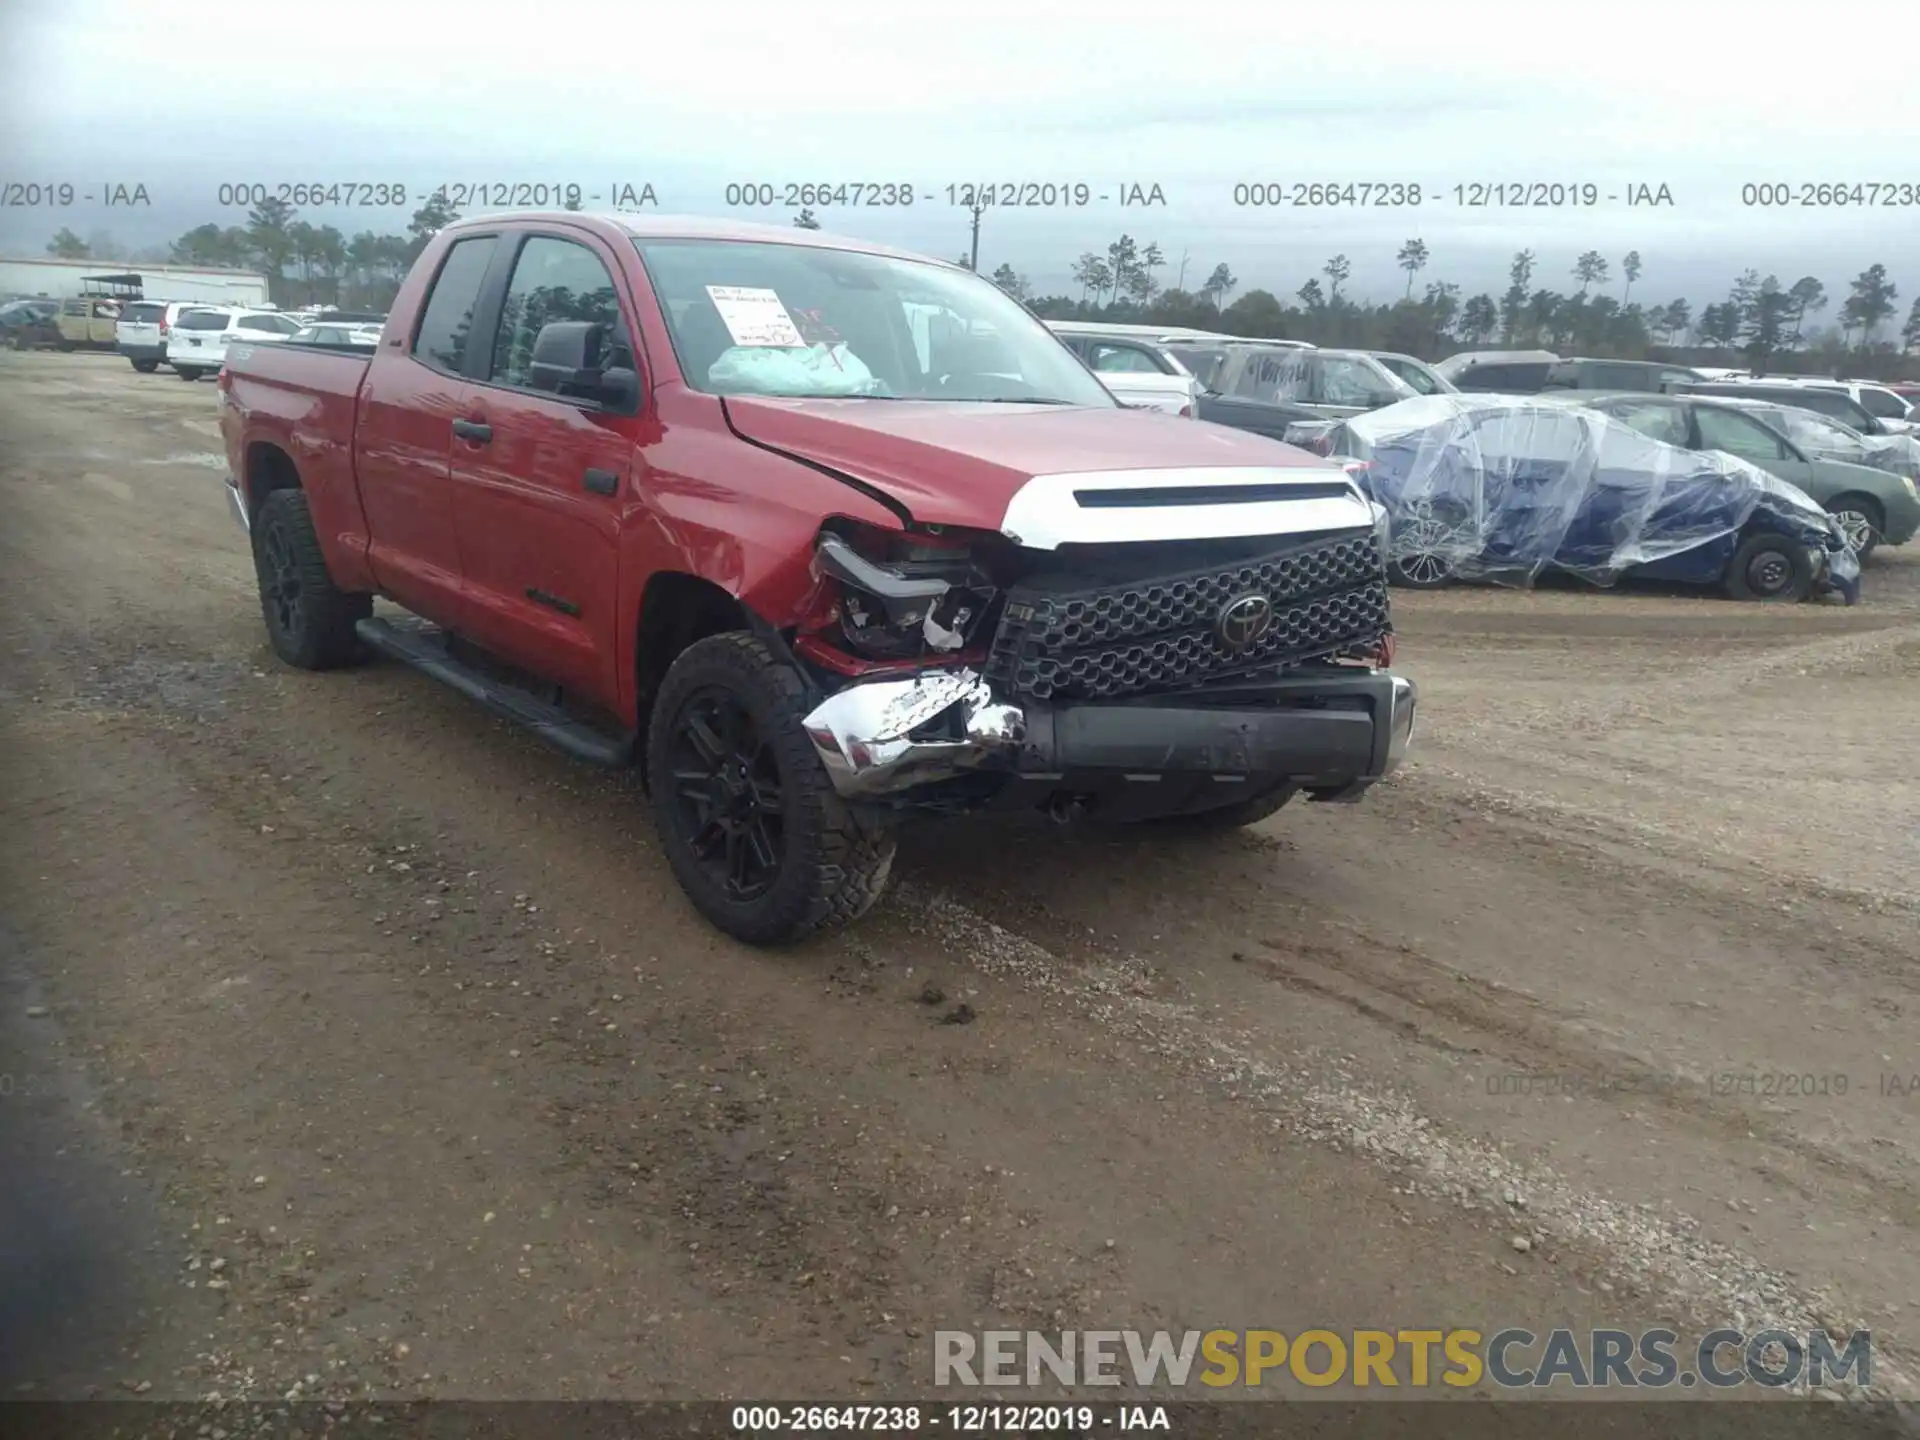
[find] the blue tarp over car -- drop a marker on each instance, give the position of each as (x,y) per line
(1503,488)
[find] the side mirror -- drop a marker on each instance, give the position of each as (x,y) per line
(570,359)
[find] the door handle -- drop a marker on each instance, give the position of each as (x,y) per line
(473,430)
(602,482)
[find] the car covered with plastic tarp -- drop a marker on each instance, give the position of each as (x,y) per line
(1504,488)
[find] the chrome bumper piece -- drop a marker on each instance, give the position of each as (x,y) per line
(238,504)
(1399,723)
(864,733)
(878,737)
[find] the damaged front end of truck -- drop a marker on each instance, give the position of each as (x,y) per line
(1128,646)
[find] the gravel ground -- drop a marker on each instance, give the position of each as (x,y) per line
(358,1046)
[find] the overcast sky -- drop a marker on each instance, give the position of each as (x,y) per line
(1698,97)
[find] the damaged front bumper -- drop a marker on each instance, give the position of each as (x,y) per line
(1333,731)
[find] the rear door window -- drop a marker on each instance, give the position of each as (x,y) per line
(444,326)
(1883,403)
(1836,403)
(1618,377)
(1414,375)
(1346,381)
(1123,359)
(144,314)
(1519,379)
(202,320)
(1656,421)
(1275,377)
(1738,435)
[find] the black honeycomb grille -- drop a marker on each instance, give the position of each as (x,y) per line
(1329,597)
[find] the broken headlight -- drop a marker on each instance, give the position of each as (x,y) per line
(903,597)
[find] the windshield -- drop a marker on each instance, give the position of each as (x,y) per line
(1202,361)
(751,318)
(1271,374)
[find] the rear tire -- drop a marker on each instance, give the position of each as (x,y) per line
(751,824)
(1863,520)
(146,367)
(187,372)
(309,619)
(1770,568)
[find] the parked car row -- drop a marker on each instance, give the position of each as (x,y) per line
(1253,384)
(191,338)
(1529,372)
(1866,405)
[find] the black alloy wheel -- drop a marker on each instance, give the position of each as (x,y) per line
(281,585)
(310,621)
(747,815)
(726,794)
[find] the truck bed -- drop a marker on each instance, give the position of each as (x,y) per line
(303,399)
(307,368)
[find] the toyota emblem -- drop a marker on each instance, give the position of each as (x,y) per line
(1243,621)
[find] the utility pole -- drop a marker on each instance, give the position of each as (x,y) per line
(974,263)
(1181,283)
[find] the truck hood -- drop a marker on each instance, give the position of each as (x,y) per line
(984,466)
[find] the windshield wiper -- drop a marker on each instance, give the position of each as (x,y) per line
(1003,400)
(806,395)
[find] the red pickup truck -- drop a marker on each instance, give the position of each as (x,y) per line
(821,535)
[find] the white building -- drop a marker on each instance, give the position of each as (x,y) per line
(61,278)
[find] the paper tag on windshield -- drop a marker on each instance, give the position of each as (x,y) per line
(755,316)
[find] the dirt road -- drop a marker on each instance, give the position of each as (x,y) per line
(356,1044)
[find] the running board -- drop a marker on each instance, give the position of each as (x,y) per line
(425,649)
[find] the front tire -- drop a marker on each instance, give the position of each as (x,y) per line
(1862,519)
(146,367)
(310,620)
(749,820)
(187,372)
(1770,568)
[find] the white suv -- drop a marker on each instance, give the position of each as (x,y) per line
(144,328)
(197,344)
(1897,414)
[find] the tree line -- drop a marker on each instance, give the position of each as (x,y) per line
(304,263)
(1760,320)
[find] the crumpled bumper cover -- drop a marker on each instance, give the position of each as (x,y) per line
(1333,730)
